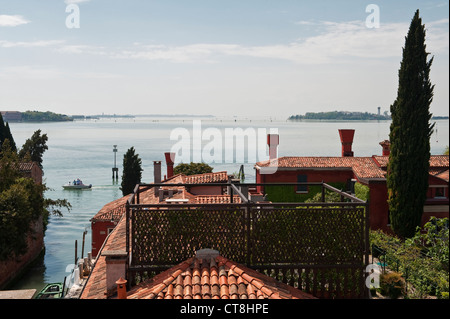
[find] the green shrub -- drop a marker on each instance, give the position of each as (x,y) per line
(392,285)
(424,265)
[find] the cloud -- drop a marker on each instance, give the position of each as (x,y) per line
(82,49)
(75,1)
(331,42)
(12,20)
(334,42)
(30,72)
(30,44)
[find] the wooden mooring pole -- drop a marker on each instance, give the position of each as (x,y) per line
(76,251)
(115,170)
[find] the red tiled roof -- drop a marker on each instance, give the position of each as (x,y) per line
(363,167)
(27,166)
(95,287)
(205,178)
(112,211)
(381,161)
(215,277)
(435,161)
(216,199)
(115,209)
(441,174)
(439,161)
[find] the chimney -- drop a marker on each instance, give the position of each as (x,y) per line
(273,140)
(170,159)
(121,288)
(116,261)
(347,141)
(386,147)
(157,175)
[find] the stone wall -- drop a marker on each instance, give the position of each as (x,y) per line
(12,268)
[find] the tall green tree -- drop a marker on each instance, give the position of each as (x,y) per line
(35,147)
(5,133)
(192,168)
(132,171)
(410,132)
(22,202)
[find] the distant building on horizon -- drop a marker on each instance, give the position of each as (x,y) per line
(11,116)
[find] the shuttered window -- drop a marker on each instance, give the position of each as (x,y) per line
(302,188)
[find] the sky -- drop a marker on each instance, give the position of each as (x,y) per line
(213,57)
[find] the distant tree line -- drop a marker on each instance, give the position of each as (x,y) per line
(340,115)
(36,116)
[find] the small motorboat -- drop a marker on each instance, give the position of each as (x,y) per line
(76,184)
(51,291)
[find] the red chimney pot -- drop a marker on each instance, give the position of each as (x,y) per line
(386,144)
(347,141)
(170,159)
(121,288)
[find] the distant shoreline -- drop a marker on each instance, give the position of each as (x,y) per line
(347,116)
(39,117)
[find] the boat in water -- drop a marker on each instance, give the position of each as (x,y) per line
(51,291)
(76,184)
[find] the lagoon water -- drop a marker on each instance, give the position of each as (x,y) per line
(84,149)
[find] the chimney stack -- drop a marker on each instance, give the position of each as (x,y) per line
(116,261)
(347,141)
(170,159)
(157,175)
(386,144)
(273,140)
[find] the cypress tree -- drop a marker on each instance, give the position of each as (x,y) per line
(132,171)
(5,133)
(2,130)
(410,132)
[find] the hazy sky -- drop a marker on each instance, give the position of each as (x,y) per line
(220,57)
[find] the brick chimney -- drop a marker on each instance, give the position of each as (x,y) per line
(170,159)
(386,144)
(273,140)
(116,261)
(347,141)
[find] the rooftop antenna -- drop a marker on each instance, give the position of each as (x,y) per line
(115,169)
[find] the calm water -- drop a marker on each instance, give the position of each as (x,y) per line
(83,149)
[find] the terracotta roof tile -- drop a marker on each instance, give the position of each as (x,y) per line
(114,210)
(439,161)
(362,167)
(216,177)
(214,278)
(436,161)
(95,287)
(441,174)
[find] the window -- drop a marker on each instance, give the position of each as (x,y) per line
(439,192)
(302,179)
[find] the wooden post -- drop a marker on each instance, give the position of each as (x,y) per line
(76,252)
(82,245)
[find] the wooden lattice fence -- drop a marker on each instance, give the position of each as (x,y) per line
(319,248)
